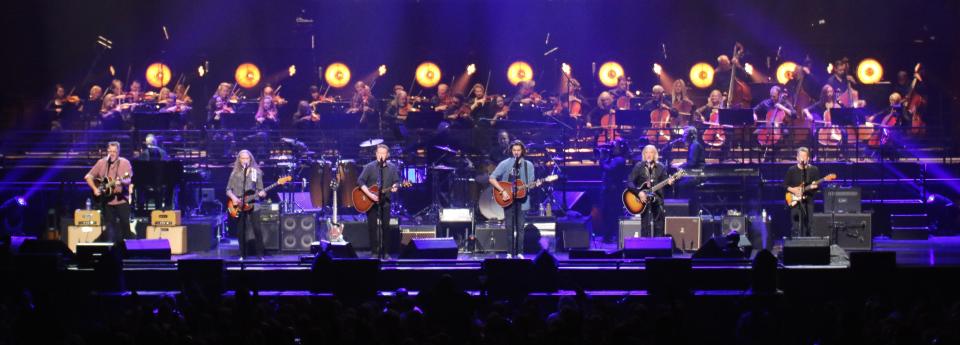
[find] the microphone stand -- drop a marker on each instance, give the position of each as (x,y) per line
(242,216)
(516,209)
(802,204)
(380,202)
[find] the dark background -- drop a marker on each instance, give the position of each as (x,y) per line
(50,42)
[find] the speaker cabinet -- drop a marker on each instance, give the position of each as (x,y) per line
(631,228)
(270,227)
(734,223)
(430,248)
(177,235)
(297,232)
(147,249)
(642,247)
(685,232)
(411,231)
(850,231)
(492,238)
(82,234)
(806,251)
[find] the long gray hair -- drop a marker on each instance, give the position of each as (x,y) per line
(238,167)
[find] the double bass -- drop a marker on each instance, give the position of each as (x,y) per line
(738,94)
(914,101)
(798,124)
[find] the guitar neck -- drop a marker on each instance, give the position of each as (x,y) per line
(808,187)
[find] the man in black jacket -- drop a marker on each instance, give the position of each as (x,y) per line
(379,173)
(646,174)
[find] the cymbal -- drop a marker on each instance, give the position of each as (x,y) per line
(371,143)
(445,148)
(441,167)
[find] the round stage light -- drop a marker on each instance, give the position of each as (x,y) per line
(428,74)
(869,71)
(337,75)
(247,75)
(158,75)
(701,75)
(519,71)
(609,72)
(785,71)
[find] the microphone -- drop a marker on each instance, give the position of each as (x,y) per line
(551,51)
(547,41)
(516,163)
(663,46)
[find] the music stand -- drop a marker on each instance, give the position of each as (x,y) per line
(238,121)
(633,117)
(427,119)
(340,120)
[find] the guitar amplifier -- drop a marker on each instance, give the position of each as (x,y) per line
(685,232)
(176,235)
(86,218)
(165,218)
(492,237)
(82,234)
(411,231)
(850,231)
(837,199)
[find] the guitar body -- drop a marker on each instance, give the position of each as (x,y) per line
(794,199)
(361,202)
(234,210)
(507,186)
(249,197)
(632,202)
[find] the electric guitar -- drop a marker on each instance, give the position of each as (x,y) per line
(248,197)
(794,199)
(362,203)
(631,199)
(521,189)
(334,228)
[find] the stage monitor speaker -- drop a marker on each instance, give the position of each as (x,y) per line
(589,254)
(90,254)
(430,248)
(492,238)
(508,277)
(806,251)
(270,226)
(297,231)
(355,231)
(668,276)
(642,247)
(631,228)
(411,231)
(850,231)
(54,247)
(177,235)
(147,249)
(676,207)
(685,232)
(573,233)
(734,223)
(837,199)
(206,274)
(339,250)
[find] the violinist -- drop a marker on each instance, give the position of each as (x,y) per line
(397,112)
(458,113)
(183,99)
(304,117)
(61,107)
(526,94)
(500,109)
(136,93)
(112,113)
(477,99)
(441,100)
(116,88)
(219,105)
(267,110)
(90,108)
(362,102)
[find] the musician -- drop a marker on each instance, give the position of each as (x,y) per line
(604,106)
(798,176)
(458,113)
(644,175)
(152,150)
(842,83)
(621,93)
(183,99)
(500,109)
(721,78)
(379,173)
(696,155)
(681,103)
(112,113)
(526,95)
(718,139)
(397,112)
(305,117)
(510,170)
(91,106)
(896,109)
(136,93)
(477,99)
(246,178)
(502,150)
(57,107)
(659,100)
(267,110)
(714,102)
(439,101)
(219,105)
(116,88)
(613,161)
(115,207)
(775,101)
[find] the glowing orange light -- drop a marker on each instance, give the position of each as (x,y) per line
(247,75)
(701,75)
(337,75)
(785,71)
(869,71)
(609,73)
(158,75)
(428,74)
(519,71)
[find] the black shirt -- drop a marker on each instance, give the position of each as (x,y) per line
(641,174)
(695,156)
(764,107)
(795,177)
(371,174)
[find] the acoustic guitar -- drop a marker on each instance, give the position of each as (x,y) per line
(362,203)
(521,189)
(631,200)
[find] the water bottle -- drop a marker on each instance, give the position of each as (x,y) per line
(88,203)
(763,216)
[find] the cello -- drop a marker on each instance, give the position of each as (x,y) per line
(771,133)
(659,121)
(714,135)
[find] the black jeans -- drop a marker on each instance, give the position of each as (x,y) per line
(800,216)
(249,226)
(509,213)
(655,210)
(117,221)
(372,215)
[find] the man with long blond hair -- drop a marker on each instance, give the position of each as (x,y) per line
(246,178)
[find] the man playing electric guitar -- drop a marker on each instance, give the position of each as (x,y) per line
(644,175)
(246,178)
(801,179)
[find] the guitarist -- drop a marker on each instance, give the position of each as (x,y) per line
(645,174)
(510,170)
(798,176)
(380,173)
(115,204)
(246,178)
